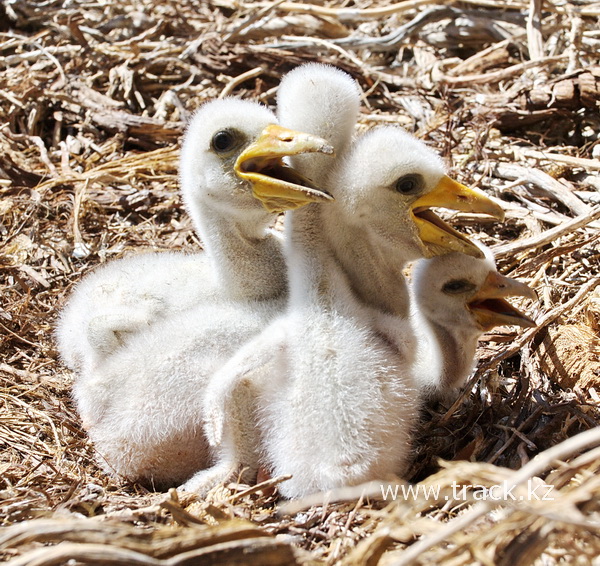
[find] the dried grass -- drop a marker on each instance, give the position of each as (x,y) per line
(93,97)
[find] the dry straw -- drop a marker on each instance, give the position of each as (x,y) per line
(93,97)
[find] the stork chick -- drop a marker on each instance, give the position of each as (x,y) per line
(456,298)
(233,190)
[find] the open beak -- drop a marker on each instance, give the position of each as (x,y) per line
(489,307)
(275,184)
(440,238)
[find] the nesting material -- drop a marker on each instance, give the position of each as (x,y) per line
(92,101)
(570,355)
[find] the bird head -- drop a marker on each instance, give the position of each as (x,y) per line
(324,101)
(233,155)
(459,291)
(390,182)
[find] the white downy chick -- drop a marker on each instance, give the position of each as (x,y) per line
(141,404)
(242,257)
(337,398)
(455,299)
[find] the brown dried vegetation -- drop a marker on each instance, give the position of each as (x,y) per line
(93,99)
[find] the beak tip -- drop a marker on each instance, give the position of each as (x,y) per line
(478,253)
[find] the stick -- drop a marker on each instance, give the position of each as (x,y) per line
(548,236)
(558,158)
(251,74)
(540,463)
(541,179)
(353,16)
(535,41)
(502,74)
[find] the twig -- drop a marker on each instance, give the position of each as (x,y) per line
(539,464)
(85,554)
(575,36)
(243,551)
(371,490)
(512,171)
(39,142)
(81,249)
(254,16)
(479,56)
(33,274)
(535,41)
(502,74)
(230,86)
(52,58)
(15,335)
(387,42)
(395,38)
(350,15)
(335,47)
(21,374)
(559,158)
(548,236)
(272,482)
(11,99)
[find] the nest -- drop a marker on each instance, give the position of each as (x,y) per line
(93,99)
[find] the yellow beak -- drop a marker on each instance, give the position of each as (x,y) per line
(489,307)
(440,238)
(275,184)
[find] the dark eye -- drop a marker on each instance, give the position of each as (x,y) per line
(223,141)
(457,286)
(409,184)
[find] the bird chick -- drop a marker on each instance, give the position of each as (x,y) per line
(233,205)
(337,399)
(140,404)
(333,119)
(455,299)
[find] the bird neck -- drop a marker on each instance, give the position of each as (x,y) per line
(245,254)
(375,278)
(458,352)
(315,278)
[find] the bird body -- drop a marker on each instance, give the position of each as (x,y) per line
(126,295)
(337,399)
(336,402)
(242,260)
(141,407)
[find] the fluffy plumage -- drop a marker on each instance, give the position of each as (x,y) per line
(141,405)
(455,299)
(242,257)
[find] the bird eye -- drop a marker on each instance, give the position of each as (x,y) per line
(409,184)
(457,286)
(223,141)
